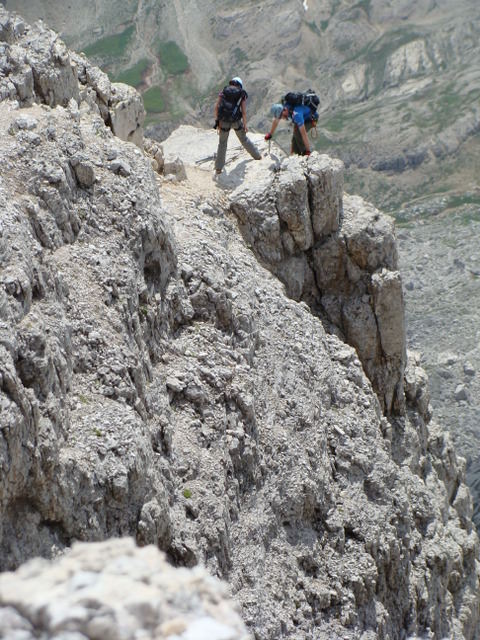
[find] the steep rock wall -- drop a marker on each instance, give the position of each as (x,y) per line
(76,233)
(337,254)
(156,381)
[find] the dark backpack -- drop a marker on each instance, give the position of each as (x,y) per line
(308,98)
(229,109)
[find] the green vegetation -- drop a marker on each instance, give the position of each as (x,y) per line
(187,493)
(341,120)
(335,5)
(441,105)
(310,66)
(171,58)
(313,26)
(321,143)
(455,201)
(365,5)
(336,123)
(154,100)
(134,75)
(466,218)
(449,103)
(111,46)
(151,118)
(238,55)
(324,25)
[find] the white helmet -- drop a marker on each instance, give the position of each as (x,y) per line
(237,80)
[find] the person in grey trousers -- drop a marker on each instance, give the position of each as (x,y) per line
(231,113)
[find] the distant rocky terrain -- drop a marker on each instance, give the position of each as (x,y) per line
(217,368)
(440,265)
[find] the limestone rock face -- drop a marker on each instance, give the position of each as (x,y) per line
(127,113)
(157,381)
(115,590)
(43,71)
(76,236)
(339,255)
(36,66)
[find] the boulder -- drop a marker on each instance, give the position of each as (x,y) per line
(113,589)
(127,113)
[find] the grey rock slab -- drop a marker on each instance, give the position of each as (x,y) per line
(115,590)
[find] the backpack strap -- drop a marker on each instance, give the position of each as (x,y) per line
(243,96)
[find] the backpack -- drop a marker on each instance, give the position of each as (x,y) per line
(229,109)
(308,98)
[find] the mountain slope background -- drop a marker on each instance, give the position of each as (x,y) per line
(399,83)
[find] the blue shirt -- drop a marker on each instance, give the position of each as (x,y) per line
(300,114)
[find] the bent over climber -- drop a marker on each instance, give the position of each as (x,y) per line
(303,115)
(231,113)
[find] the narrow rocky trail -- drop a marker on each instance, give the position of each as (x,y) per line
(188,201)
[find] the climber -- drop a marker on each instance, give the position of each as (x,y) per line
(303,116)
(231,113)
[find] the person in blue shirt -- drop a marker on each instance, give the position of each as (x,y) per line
(303,118)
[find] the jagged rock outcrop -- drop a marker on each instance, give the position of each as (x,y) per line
(157,381)
(75,234)
(36,66)
(338,254)
(115,590)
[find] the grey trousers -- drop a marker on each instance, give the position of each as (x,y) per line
(224,130)
(297,142)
